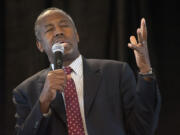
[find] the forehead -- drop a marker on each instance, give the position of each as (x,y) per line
(50,16)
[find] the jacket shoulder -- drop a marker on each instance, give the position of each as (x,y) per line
(33,80)
(104,63)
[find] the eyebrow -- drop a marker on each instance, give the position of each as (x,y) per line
(48,25)
(64,20)
(61,21)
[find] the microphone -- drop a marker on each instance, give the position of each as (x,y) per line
(58,50)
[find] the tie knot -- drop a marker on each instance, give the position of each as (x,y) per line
(68,70)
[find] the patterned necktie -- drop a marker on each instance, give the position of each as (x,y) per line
(73,114)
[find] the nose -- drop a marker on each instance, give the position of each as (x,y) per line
(58,32)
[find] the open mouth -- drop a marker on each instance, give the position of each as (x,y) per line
(60,42)
(63,43)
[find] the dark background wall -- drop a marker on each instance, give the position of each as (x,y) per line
(104,27)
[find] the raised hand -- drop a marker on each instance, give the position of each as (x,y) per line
(140,48)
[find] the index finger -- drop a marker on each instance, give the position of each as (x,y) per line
(57,71)
(144,29)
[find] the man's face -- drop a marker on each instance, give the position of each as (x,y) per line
(56,27)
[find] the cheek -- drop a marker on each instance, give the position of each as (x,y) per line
(75,38)
(46,46)
(46,41)
(47,38)
(70,33)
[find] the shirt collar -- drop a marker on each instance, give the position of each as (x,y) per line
(76,65)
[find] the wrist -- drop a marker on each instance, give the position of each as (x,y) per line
(146,71)
(147,75)
(44,106)
(46,115)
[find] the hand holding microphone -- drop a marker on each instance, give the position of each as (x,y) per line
(55,80)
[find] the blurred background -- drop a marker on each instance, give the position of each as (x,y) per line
(104,27)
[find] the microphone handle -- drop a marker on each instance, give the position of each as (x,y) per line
(58,62)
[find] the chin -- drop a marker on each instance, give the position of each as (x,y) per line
(69,57)
(68,53)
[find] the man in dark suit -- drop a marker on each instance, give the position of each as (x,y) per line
(109,100)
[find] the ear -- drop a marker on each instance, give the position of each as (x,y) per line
(39,46)
(77,37)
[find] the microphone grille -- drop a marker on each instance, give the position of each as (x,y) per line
(57,47)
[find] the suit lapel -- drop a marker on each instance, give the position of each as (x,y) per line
(42,79)
(92,78)
(59,107)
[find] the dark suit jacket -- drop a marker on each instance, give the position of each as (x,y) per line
(114,104)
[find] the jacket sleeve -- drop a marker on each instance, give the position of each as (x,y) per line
(141,103)
(29,120)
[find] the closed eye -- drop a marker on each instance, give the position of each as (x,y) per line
(49,30)
(64,25)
